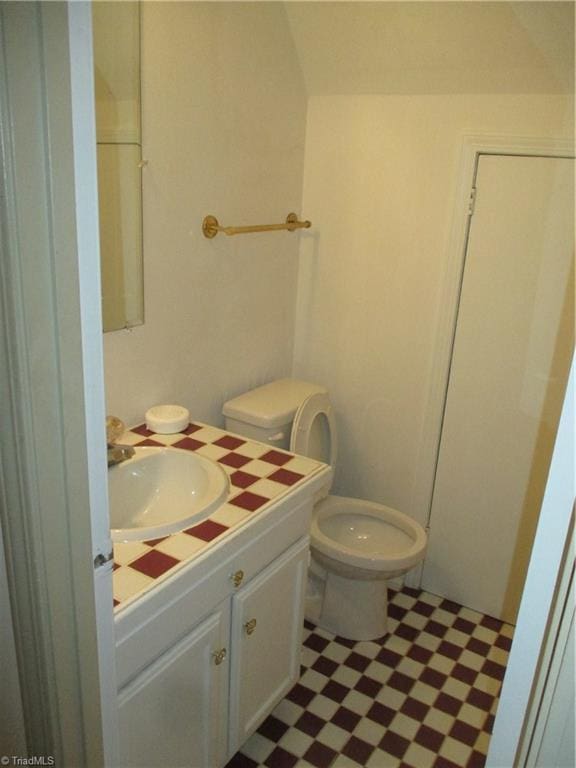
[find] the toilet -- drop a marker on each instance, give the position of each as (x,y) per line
(356,545)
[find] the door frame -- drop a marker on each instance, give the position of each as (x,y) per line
(473,146)
(54,513)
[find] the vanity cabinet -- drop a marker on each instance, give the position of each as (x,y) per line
(216,650)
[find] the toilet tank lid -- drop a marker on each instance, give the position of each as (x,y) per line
(271,405)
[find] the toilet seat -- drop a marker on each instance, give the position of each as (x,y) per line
(314,430)
(372,520)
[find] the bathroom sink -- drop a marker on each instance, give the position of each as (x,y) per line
(163,490)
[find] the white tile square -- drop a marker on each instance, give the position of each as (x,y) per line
(336,652)
(302,465)
(430,642)
(411,667)
(454,750)
(313,680)
(267,488)
(333,736)
(446,618)
(392,698)
(441,663)
(288,712)
(405,726)
(472,715)
(418,755)
(341,761)
(258,747)
(208,434)
(485,634)
(472,660)
(296,742)
(127,582)
(439,721)
(125,552)
(456,688)
(346,676)
(259,468)
(380,759)
(368,648)
(252,449)
(181,546)
(424,693)
(369,731)
(323,707)
(498,655)
(457,638)
(230,515)
(378,672)
(213,452)
(358,702)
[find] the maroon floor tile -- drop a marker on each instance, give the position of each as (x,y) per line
(325,666)
(357,750)
(346,719)
(280,758)
(465,733)
(310,723)
(357,661)
(401,682)
(335,691)
(300,695)
(272,728)
(429,738)
(415,709)
(368,686)
(319,755)
(381,714)
(394,744)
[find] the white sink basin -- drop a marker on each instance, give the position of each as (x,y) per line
(163,490)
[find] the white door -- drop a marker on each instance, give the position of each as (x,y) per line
(509,368)
(267,621)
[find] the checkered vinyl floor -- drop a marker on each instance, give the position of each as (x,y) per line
(424,695)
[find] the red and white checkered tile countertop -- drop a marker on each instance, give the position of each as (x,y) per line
(259,477)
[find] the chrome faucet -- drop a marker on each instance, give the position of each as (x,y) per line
(117,453)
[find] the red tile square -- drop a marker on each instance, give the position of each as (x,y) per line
(190,429)
(319,755)
(429,738)
(358,750)
(234,460)
(285,476)
(464,733)
(188,444)
(242,479)
(153,542)
(249,501)
(116,602)
(142,430)
(275,457)
(401,682)
(154,563)
(229,442)
(149,443)
(394,744)
(207,531)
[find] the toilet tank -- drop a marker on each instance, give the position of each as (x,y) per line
(266,413)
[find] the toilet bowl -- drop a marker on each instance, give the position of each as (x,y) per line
(356,545)
(360,545)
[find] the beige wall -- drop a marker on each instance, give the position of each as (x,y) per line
(223,131)
(380,185)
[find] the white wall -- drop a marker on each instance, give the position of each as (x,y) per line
(223,131)
(380,180)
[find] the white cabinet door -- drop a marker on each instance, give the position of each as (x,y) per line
(267,620)
(172,713)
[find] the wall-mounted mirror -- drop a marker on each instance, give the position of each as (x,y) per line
(116,29)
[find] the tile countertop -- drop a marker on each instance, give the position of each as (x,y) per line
(259,477)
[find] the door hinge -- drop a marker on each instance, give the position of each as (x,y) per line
(472,201)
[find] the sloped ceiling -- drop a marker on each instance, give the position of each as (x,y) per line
(434,47)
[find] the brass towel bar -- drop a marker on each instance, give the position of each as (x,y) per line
(211,227)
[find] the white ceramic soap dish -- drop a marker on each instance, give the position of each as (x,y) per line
(167,419)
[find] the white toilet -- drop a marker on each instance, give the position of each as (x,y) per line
(356,545)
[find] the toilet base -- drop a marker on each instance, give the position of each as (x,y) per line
(354,609)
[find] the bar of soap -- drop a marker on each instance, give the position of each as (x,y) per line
(167,419)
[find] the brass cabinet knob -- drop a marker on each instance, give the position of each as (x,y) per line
(237,578)
(219,656)
(250,626)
